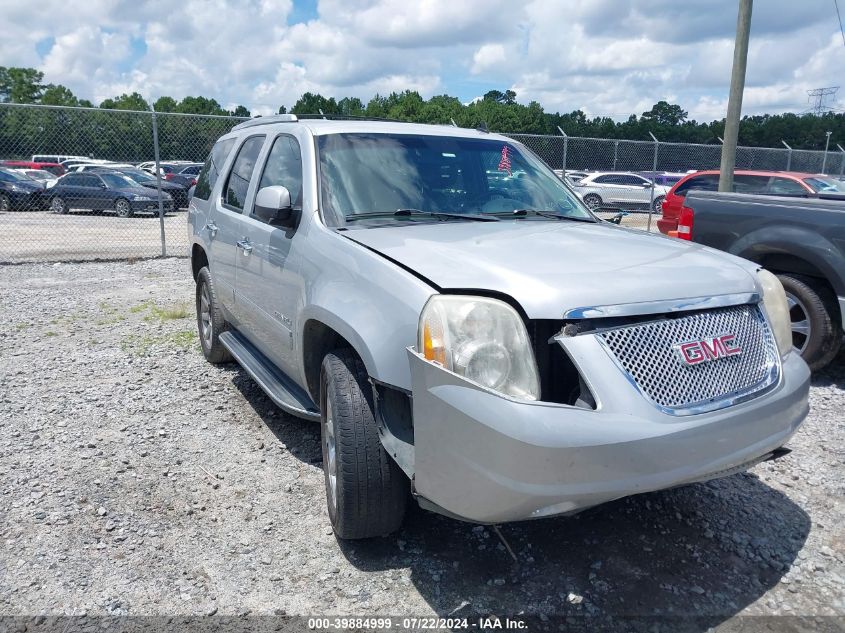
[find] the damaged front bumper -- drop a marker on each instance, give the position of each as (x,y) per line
(486,458)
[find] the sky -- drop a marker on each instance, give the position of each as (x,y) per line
(605,57)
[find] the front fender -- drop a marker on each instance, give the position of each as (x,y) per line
(810,246)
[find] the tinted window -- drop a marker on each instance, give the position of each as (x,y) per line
(284,167)
(211,170)
(234,193)
(787,187)
(72,180)
(89,181)
(709,182)
(750,184)
(605,180)
(633,180)
(193,170)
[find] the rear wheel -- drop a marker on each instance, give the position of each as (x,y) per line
(58,205)
(5,203)
(592,200)
(210,321)
(122,208)
(366,491)
(815,330)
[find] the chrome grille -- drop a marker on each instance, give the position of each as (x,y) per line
(648,354)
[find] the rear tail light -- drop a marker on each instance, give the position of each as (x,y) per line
(685,222)
(168,176)
(193,182)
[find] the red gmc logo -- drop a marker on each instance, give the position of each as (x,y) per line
(705,350)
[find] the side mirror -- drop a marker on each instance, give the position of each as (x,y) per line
(272,205)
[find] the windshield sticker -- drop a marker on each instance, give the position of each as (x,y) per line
(505,162)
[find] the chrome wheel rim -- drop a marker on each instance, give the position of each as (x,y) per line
(206,330)
(57,205)
(657,204)
(331,455)
(592,201)
(799,321)
(122,208)
(4,203)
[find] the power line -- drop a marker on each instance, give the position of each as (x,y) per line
(836,4)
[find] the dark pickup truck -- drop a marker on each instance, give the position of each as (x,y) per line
(802,241)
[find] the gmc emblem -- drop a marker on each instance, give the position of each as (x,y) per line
(705,350)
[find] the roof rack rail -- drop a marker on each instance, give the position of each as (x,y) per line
(349,117)
(267,120)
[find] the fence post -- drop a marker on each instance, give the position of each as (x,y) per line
(158,182)
(654,177)
(788,155)
(565,143)
(615,153)
(841,160)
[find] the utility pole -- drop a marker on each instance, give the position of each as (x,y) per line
(743,31)
(826,146)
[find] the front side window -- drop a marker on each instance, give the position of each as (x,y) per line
(211,170)
(284,168)
(117,181)
(787,187)
(364,173)
(750,184)
(234,193)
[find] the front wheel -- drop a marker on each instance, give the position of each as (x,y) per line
(122,208)
(366,491)
(815,329)
(5,203)
(592,200)
(58,205)
(657,204)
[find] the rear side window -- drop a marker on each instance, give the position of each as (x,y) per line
(211,170)
(284,167)
(750,184)
(234,193)
(709,182)
(89,181)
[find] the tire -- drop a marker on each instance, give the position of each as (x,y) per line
(592,200)
(815,329)
(657,204)
(210,321)
(5,203)
(366,492)
(123,209)
(58,205)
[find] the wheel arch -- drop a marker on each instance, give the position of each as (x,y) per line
(318,339)
(199,259)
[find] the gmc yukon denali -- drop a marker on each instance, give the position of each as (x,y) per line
(802,241)
(469,335)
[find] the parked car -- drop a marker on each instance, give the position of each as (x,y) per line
(572,176)
(627,190)
(19,192)
(776,183)
(185,175)
(486,344)
(104,191)
(801,240)
(46,178)
(177,192)
(54,168)
(70,163)
(100,166)
(54,158)
(663,178)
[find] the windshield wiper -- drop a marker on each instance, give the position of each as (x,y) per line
(521,213)
(400,213)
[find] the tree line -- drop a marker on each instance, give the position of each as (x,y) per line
(498,110)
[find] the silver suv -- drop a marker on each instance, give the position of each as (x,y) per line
(468,334)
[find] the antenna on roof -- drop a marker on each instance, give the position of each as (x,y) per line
(482,127)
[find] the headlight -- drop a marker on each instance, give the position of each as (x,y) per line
(16,189)
(484,340)
(777,309)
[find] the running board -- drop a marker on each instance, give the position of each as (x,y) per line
(287,395)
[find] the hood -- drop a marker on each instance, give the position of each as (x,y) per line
(165,185)
(550,267)
(141,191)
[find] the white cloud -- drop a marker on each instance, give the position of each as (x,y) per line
(607,57)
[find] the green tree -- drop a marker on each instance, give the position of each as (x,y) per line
(241,111)
(200,105)
(507,97)
(165,104)
(665,113)
(310,103)
(58,96)
(132,101)
(282,110)
(20,85)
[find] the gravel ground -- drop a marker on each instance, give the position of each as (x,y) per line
(135,478)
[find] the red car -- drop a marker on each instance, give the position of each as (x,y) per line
(53,168)
(775,183)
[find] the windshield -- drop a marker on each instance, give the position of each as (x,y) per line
(138,176)
(8,175)
(822,184)
(381,173)
(116,181)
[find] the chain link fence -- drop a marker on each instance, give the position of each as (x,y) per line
(97,213)
(96,216)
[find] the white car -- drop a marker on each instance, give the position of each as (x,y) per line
(100,165)
(624,189)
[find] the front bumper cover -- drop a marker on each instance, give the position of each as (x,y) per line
(486,458)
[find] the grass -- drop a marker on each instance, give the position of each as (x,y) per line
(142,344)
(172,312)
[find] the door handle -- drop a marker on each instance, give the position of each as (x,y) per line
(245,246)
(211,227)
